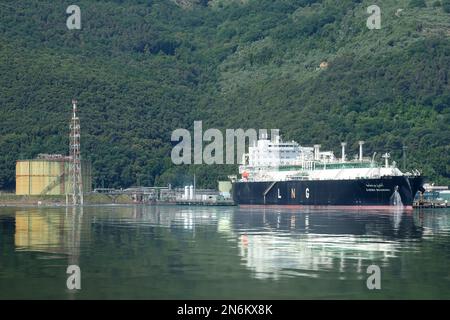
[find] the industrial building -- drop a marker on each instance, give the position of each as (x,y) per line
(49,174)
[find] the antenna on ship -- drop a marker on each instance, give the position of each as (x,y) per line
(360,150)
(343,144)
(317,152)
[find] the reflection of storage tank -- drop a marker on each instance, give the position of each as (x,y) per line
(49,174)
(35,230)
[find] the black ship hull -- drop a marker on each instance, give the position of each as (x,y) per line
(382,192)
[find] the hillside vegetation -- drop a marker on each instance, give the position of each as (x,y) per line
(143,68)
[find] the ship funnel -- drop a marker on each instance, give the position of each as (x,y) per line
(316,151)
(343,144)
(276,139)
(361,150)
(386,157)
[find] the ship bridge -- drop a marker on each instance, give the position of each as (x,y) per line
(277,160)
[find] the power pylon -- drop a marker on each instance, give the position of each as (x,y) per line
(75,158)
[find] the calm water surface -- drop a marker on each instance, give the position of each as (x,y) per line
(173,252)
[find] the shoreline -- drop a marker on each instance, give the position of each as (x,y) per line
(13,200)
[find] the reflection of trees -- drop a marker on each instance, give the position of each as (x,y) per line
(432,220)
(172,251)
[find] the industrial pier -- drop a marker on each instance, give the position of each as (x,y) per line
(205,197)
(433,197)
(168,195)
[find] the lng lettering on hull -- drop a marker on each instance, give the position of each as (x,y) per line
(380,192)
(284,173)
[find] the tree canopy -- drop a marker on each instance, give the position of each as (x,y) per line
(143,68)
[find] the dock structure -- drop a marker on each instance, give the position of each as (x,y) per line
(431,204)
(433,197)
(137,194)
(167,195)
(202,197)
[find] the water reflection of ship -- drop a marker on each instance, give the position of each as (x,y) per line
(395,224)
(271,256)
(275,244)
(272,243)
(283,244)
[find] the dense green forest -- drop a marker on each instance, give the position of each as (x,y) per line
(143,68)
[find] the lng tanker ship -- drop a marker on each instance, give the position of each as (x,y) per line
(284,173)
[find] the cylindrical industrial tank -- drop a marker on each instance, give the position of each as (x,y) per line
(51,177)
(33,177)
(186,192)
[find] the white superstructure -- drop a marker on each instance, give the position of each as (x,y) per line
(277,160)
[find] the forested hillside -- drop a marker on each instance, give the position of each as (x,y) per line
(143,68)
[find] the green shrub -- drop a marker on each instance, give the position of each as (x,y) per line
(437,3)
(417,4)
(446,5)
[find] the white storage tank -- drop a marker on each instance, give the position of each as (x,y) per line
(191,192)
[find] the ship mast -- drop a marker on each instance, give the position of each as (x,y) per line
(386,157)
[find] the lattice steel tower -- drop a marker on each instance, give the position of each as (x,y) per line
(75,158)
